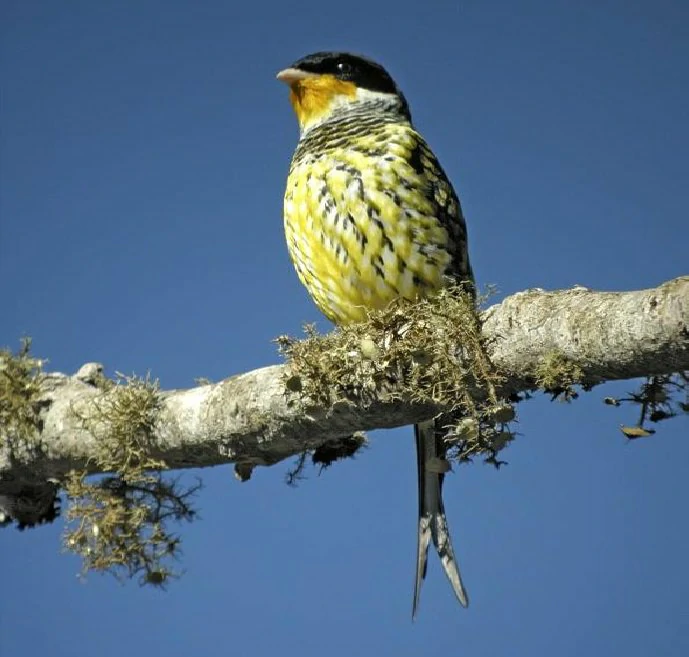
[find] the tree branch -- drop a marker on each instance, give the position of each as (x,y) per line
(255,419)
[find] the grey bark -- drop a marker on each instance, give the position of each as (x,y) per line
(253,419)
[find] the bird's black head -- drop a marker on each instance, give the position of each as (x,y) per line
(363,72)
(323,82)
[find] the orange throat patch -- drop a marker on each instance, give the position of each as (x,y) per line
(312,98)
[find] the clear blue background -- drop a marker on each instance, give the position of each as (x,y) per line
(144,149)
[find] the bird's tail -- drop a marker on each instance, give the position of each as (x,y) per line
(430,456)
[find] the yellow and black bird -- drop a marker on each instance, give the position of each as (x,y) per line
(370,216)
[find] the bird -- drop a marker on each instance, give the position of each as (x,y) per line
(370,216)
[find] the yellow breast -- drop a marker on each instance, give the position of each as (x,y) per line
(362,225)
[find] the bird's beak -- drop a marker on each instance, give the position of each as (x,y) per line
(293,75)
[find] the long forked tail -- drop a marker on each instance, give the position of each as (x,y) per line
(430,457)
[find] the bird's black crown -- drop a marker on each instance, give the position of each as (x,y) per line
(363,72)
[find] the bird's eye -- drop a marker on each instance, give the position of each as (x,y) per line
(343,67)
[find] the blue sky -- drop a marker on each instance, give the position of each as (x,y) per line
(143,152)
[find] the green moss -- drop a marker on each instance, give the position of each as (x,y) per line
(429,351)
(557,375)
(119,524)
(123,420)
(20,390)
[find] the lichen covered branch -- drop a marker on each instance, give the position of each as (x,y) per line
(262,417)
